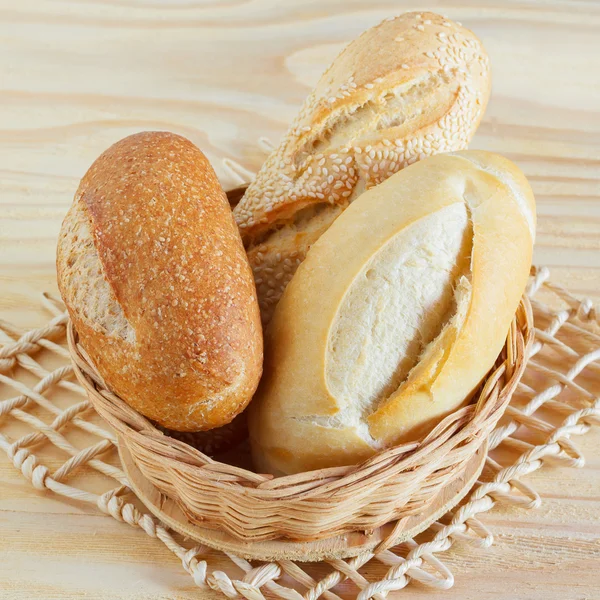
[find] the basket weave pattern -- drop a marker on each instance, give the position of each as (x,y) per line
(394,484)
(556,400)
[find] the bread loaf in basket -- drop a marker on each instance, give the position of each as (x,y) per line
(411,87)
(397,313)
(154,275)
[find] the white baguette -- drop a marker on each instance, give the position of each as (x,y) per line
(397,313)
(409,88)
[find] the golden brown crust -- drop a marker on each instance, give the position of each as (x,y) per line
(170,252)
(411,87)
(297,422)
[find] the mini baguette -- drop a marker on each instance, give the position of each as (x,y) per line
(396,315)
(154,275)
(411,87)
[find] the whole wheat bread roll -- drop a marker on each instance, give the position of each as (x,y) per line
(154,275)
(397,313)
(409,88)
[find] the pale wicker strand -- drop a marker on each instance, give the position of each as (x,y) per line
(48,379)
(293,570)
(45,431)
(28,342)
(52,303)
(237,172)
(29,364)
(335,577)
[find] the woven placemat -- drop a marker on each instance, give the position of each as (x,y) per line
(556,400)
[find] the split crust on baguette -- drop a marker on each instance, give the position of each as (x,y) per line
(409,88)
(396,315)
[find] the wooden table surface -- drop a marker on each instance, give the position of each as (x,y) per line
(76,76)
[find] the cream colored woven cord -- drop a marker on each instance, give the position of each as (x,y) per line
(421,563)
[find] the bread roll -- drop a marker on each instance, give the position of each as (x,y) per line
(154,275)
(409,88)
(396,315)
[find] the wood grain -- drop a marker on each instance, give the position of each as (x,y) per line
(76,76)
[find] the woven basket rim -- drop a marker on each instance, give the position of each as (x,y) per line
(181,468)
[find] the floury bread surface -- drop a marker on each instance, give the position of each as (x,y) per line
(396,315)
(409,88)
(154,275)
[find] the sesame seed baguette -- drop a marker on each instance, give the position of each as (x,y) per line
(411,87)
(396,315)
(153,272)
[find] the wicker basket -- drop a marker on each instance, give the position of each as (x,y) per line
(396,483)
